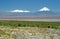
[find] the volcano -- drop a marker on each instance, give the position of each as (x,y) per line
(43,13)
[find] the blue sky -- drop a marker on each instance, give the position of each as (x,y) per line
(32,5)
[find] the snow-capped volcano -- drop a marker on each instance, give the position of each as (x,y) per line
(42,12)
(44,9)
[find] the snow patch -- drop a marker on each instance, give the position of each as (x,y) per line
(44,9)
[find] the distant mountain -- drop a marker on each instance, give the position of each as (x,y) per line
(31,16)
(43,15)
(39,13)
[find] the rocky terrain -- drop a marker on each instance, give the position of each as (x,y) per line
(29,33)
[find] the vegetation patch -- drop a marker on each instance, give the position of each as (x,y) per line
(40,24)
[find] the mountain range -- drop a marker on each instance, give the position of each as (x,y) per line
(42,14)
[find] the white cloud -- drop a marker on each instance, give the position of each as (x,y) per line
(19,11)
(44,9)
